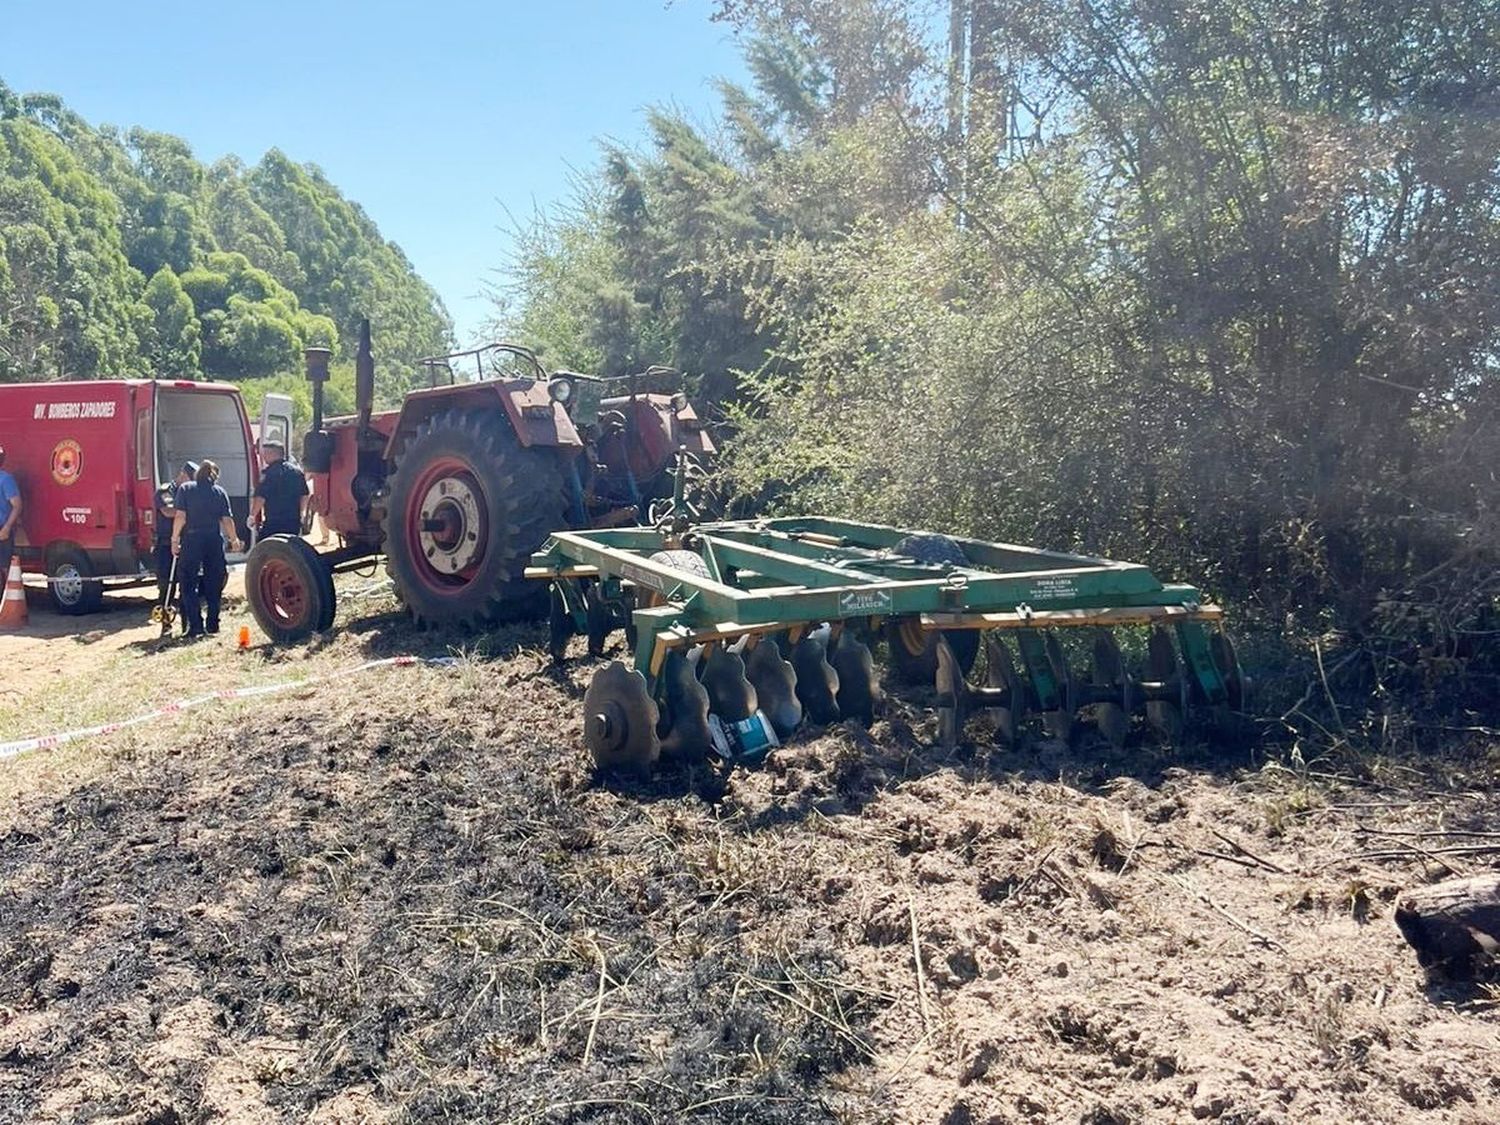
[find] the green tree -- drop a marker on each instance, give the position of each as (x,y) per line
(88,214)
(252,326)
(350,270)
(69,301)
(175,341)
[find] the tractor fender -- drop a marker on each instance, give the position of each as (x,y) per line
(536,419)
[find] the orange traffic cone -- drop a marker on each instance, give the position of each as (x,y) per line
(13,605)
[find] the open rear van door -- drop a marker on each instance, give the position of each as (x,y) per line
(198,421)
(275,422)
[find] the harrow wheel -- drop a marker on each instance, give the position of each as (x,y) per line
(953,695)
(1000,674)
(1058,723)
(560,627)
(620,720)
(730,695)
(597,617)
(1227,661)
(1231,723)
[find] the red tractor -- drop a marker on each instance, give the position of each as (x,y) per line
(460,485)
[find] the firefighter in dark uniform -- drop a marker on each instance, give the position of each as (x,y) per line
(280,502)
(202,524)
(166,514)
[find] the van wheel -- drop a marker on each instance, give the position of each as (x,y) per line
(71,584)
(289,589)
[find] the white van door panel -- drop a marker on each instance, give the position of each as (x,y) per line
(275,422)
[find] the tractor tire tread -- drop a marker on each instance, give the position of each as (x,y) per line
(525,498)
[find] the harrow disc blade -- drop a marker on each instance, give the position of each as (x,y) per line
(1000,672)
(1111,716)
(1165,712)
(730,695)
(559,624)
(686,735)
(775,684)
(619,720)
(953,694)
(859,688)
(597,612)
(817,682)
(1059,724)
(1232,724)
(1221,647)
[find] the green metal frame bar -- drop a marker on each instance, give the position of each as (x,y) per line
(818,590)
(1001,556)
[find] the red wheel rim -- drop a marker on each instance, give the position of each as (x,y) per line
(446,525)
(283,593)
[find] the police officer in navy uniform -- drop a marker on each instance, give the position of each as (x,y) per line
(202,524)
(166,515)
(281,496)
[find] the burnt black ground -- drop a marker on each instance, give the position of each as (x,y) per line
(416,889)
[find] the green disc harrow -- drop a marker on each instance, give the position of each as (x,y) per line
(743,631)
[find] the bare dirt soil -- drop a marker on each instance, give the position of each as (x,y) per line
(406,896)
(52,648)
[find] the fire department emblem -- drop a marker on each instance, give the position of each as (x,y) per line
(67,461)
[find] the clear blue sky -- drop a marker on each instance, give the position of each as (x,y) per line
(435,115)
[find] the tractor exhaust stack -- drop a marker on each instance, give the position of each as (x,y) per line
(317,445)
(364,377)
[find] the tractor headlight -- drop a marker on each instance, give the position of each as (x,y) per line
(561,389)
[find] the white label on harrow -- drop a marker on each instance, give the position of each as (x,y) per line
(643,578)
(1051,589)
(859,603)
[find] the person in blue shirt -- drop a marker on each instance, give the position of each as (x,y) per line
(10,517)
(202,523)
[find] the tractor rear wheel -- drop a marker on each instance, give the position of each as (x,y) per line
(289,589)
(913,649)
(468,505)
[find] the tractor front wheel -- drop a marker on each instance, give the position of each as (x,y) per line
(468,505)
(289,589)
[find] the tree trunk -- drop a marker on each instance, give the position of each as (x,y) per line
(958,100)
(1453,926)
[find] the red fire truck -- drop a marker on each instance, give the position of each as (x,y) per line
(90,456)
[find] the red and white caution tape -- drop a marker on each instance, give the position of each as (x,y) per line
(52,741)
